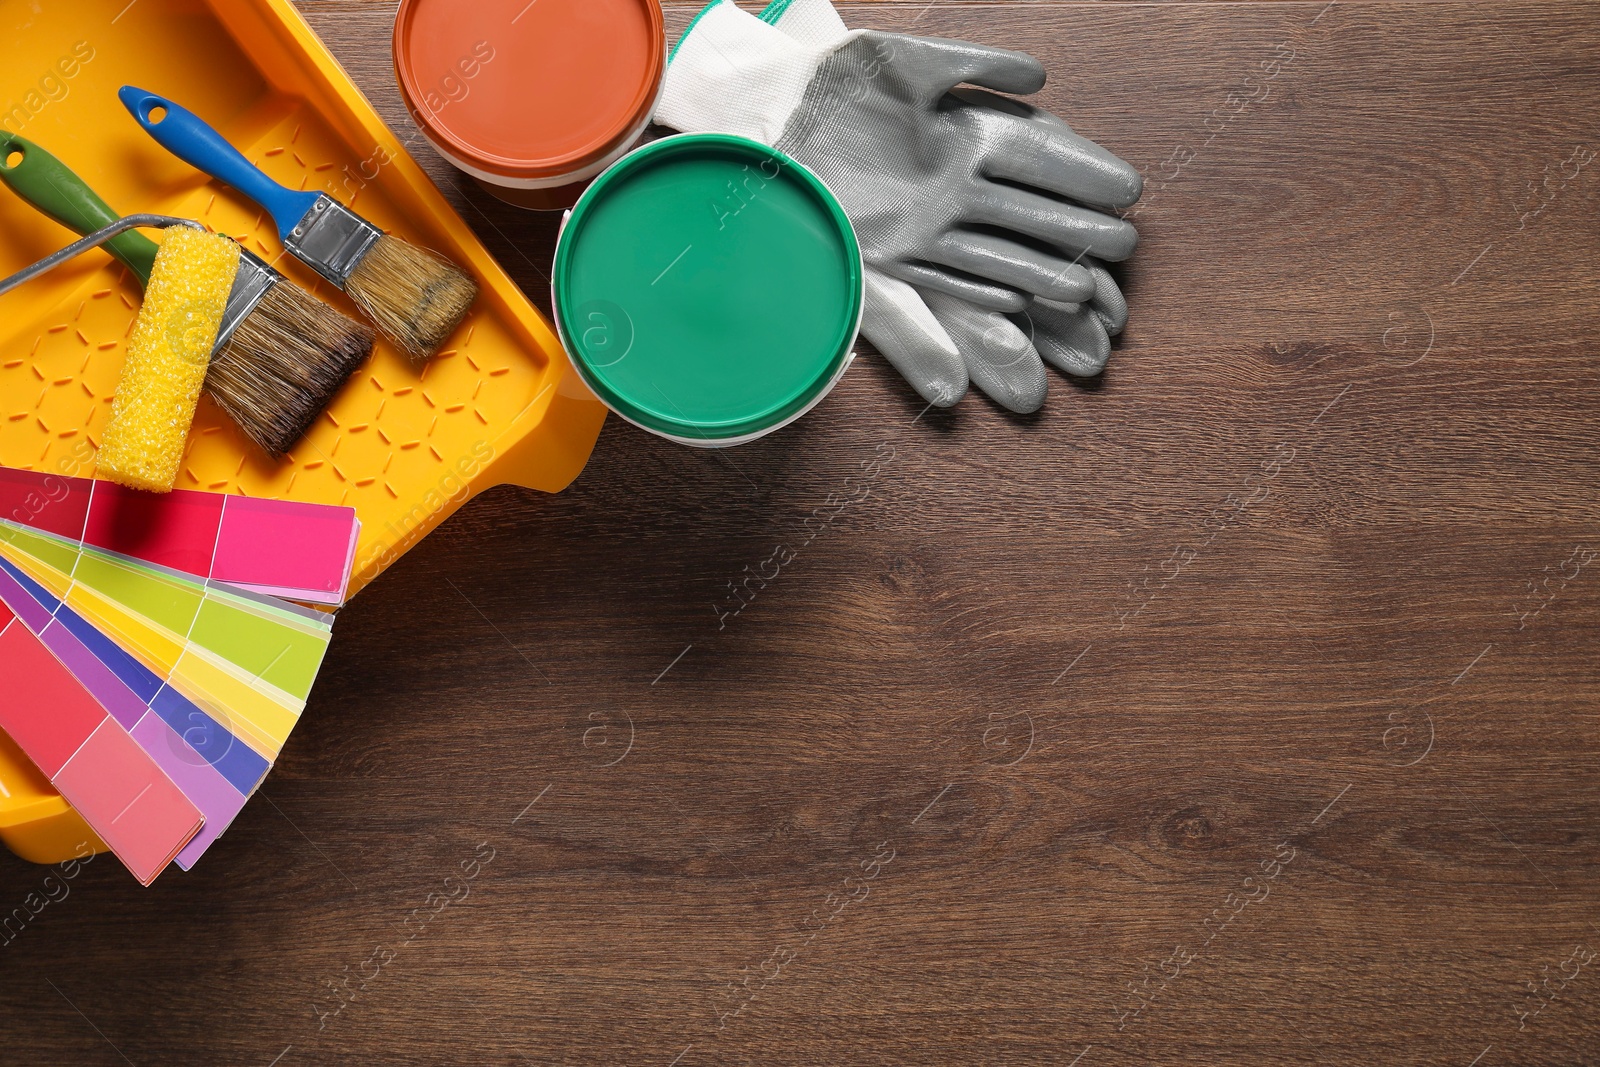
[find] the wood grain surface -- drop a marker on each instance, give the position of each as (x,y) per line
(1238,708)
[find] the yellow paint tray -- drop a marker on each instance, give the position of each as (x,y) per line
(405,447)
(35,822)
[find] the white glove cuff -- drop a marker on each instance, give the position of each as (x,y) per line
(733,73)
(811,22)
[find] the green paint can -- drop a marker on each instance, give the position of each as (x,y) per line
(708,289)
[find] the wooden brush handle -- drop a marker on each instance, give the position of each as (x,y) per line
(49,185)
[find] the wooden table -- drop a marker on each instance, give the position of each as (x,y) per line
(1238,708)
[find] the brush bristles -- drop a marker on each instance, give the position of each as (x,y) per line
(415,298)
(283,365)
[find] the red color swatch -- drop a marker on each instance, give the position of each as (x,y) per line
(44,709)
(177,530)
(47,502)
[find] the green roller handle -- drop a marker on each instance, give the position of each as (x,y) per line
(46,183)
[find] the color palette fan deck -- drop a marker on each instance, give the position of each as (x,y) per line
(160,661)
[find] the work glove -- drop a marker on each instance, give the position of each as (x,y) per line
(955,259)
(1000,358)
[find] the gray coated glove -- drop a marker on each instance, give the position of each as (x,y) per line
(1002,353)
(967,210)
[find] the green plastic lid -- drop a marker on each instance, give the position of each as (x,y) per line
(708,288)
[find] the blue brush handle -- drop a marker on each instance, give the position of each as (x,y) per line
(186,136)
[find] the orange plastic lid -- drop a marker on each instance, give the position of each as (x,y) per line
(530,88)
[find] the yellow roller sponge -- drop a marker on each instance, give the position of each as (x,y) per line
(168,355)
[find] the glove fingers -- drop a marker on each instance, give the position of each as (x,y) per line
(977,293)
(999,357)
(1068,226)
(1109,303)
(1070,337)
(901,327)
(935,66)
(1013,264)
(1011,106)
(1061,162)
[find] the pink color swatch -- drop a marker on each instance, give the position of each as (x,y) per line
(136,810)
(264,540)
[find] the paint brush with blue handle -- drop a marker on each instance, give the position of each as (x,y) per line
(415,298)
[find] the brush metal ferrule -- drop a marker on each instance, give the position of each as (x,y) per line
(254,280)
(331,239)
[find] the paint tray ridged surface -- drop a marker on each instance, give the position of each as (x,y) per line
(403,446)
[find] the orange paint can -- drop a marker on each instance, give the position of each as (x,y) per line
(532,98)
